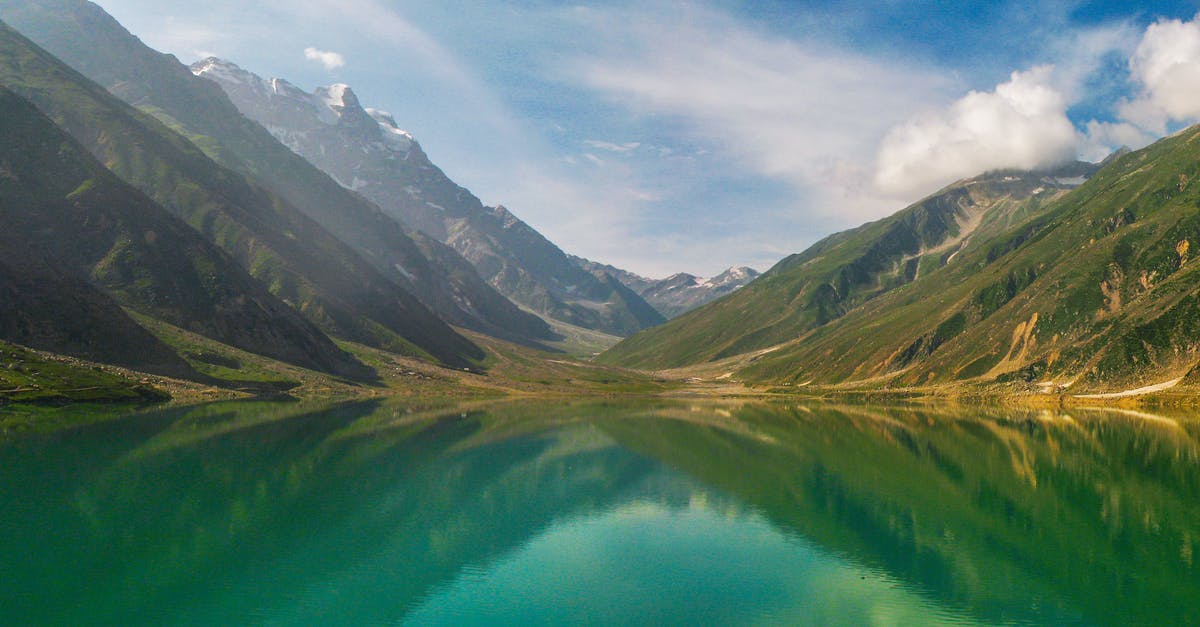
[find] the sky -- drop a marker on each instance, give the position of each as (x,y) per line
(666,136)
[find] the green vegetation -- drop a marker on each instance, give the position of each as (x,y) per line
(285,249)
(1093,291)
(63,208)
(842,272)
(40,378)
(92,42)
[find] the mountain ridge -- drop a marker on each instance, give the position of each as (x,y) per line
(1091,294)
(679,293)
(87,38)
(300,262)
(839,273)
(365,151)
(83,221)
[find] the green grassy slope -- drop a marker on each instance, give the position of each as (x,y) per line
(1095,291)
(1098,292)
(47,308)
(57,200)
(30,377)
(513,257)
(297,259)
(840,273)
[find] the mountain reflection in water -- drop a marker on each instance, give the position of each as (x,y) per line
(660,512)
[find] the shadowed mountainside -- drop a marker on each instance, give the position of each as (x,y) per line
(293,256)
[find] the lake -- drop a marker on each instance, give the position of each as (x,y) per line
(602,513)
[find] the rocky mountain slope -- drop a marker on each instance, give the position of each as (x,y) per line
(365,150)
(92,42)
(680,292)
(299,261)
(70,224)
(805,294)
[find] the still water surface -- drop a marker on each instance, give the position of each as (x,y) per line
(653,513)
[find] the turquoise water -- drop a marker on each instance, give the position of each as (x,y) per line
(603,513)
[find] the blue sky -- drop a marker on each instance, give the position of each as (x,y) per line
(666,136)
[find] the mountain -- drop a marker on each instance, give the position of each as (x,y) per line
(678,293)
(1097,292)
(44,307)
(928,249)
(365,150)
(299,261)
(70,224)
(92,42)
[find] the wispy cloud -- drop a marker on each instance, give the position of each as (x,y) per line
(778,107)
(611,147)
(331,60)
(668,135)
(389,30)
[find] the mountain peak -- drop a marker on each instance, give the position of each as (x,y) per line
(338,97)
(736,273)
(332,105)
(221,70)
(395,138)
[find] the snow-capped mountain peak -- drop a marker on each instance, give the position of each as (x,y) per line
(396,139)
(739,275)
(221,70)
(338,97)
(297,113)
(679,292)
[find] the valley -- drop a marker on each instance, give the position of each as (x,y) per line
(608,313)
(224,235)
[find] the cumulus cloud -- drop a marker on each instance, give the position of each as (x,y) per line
(1021,124)
(1166,65)
(331,60)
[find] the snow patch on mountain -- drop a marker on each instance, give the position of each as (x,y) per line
(680,292)
(325,105)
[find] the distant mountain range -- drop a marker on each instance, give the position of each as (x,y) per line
(678,293)
(365,151)
(143,201)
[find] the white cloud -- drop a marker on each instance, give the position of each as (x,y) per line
(1021,124)
(791,111)
(1102,138)
(611,147)
(331,60)
(1166,65)
(1078,56)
